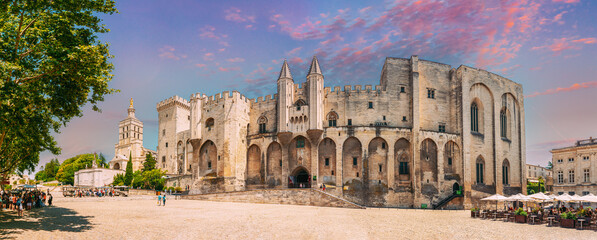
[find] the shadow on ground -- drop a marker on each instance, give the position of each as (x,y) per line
(44,219)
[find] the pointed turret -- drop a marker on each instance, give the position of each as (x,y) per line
(314,67)
(285,72)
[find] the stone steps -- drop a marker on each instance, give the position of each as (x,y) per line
(308,197)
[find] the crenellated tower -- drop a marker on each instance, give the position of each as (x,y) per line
(285,96)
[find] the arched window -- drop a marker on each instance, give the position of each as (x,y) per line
(506,172)
(503,124)
(480,170)
(209,124)
(262,122)
(474,117)
(332,118)
(299,103)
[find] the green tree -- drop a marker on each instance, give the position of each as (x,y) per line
(154,179)
(103,161)
(66,172)
(128,175)
(149,163)
(51,64)
(118,180)
(549,165)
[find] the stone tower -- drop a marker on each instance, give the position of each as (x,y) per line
(315,93)
(285,96)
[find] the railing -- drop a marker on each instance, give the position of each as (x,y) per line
(446,200)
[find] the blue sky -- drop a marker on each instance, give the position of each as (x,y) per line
(166,48)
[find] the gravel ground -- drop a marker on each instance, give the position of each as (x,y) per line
(140,218)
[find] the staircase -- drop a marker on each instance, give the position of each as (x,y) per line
(446,200)
(294,196)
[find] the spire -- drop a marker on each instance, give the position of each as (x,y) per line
(285,72)
(314,67)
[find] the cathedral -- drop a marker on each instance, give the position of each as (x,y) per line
(130,143)
(428,135)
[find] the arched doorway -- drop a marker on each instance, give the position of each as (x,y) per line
(300,178)
(455,188)
(117,166)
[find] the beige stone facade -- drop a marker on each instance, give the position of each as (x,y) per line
(426,130)
(130,143)
(574,168)
(536,171)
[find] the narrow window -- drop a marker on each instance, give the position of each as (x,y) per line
(403,168)
(349,122)
(402,89)
(163,132)
(357,174)
(586,175)
(298,108)
(327,161)
(370,104)
(404,118)
(166,144)
(479,172)
(354,161)
(280,163)
(430,93)
(383,145)
(571,176)
(300,143)
(380,167)
(474,118)
(450,161)
(332,172)
(503,124)
(384,118)
(209,165)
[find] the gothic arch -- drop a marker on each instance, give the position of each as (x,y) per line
(352,153)
(254,166)
(299,153)
(452,162)
(428,161)
(480,173)
(506,172)
(208,160)
(378,161)
(327,161)
(274,164)
(403,162)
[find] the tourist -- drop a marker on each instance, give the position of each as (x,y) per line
(164,200)
(50,200)
(159,199)
(323,186)
(19,204)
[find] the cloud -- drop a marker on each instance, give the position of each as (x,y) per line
(230,69)
(573,87)
(209,32)
(294,51)
(236,59)
(168,52)
(561,44)
(296,60)
(567,1)
(208,56)
(334,39)
(201,65)
(235,15)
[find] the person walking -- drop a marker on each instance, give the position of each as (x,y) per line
(159,199)
(164,200)
(19,207)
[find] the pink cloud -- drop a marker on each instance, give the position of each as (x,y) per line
(294,51)
(563,44)
(230,69)
(295,60)
(567,1)
(221,49)
(332,40)
(235,15)
(365,9)
(201,65)
(573,87)
(236,59)
(208,57)
(168,52)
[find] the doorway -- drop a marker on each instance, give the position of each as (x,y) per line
(300,178)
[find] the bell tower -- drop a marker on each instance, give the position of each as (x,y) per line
(285,96)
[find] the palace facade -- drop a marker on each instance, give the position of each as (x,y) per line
(423,134)
(574,168)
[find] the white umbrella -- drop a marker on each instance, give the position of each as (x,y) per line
(540,196)
(575,198)
(564,198)
(589,198)
(496,198)
(518,197)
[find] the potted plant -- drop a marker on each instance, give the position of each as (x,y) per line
(568,220)
(585,214)
(474,211)
(520,216)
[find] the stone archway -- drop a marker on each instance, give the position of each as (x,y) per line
(299,153)
(327,161)
(117,166)
(299,178)
(254,166)
(274,164)
(208,159)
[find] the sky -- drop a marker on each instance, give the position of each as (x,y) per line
(167,48)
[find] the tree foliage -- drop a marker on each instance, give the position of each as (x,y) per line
(535,187)
(549,166)
(149,163)
(66,172)
(128,175)
(51,64)
(49,171)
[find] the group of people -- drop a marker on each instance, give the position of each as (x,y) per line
(162,199)
(24,200)
(94,192)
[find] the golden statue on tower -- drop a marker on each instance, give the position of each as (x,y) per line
(131,106)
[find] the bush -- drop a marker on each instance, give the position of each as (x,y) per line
(520,211)
(568,215)
(178,189)
(475,209)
